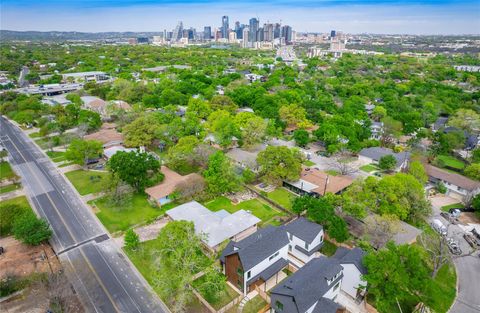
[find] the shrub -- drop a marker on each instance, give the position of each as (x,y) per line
(30,229)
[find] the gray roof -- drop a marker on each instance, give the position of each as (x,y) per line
(267,273)
(306,286)
(217,227)
(376,153)
(440,122)
(353,256)
(326,305)
(304,229)
(258,246)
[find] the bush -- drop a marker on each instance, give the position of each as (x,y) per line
(8,213)
(30,229)
(131,240)
(441,188)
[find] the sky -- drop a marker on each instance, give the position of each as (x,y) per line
(351,16)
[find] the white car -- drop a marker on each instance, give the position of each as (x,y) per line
(438,226)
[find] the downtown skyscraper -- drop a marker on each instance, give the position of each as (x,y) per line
(225,27)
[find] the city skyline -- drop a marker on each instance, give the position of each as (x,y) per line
(393,17)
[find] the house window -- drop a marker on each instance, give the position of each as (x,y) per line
(278,306)
(273,256)
(290,248)
(336,286)
(249,274)
(321,238)
(306,245)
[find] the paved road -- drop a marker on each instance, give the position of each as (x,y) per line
(468,270)
(101,274)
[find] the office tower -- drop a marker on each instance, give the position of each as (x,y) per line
(333,34)
(245,33)
(142,40)
(287,34)
(169,35)
(207,33)
(277,30)
(252,36)
(178,32)
(268,32)
(238,30)
(225,28)
(232,37)
(260,34)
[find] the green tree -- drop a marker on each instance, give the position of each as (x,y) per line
(294,116)
(31,230)
(8,213)
(81,151)
(219,175)
(201,109)
(182,156)
(220,102)
(417,170)
(223,127)
(301,204)
(465,119)
(301,137)
(476,203)
(131,239)
(379,112)
(473,171)
(396,273)
(134,168)
(322,211)
(387,162)
(178,257)
(278,163)
(253,128)
(89,118)
(141,132)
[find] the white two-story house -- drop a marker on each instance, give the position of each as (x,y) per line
(257,260)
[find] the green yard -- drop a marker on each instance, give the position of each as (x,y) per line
(369,168)
(20,201)
(56,156)
(254,305)
(223,300)
(9,188)
(332,172)
(6,171)
(255,206)
(308,163)
(452,206)
(87,182)
(135,211)
(449,161)
(283,197)
(34,135)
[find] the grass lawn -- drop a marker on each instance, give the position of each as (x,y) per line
(328,248)
(66,164)
(442,291)
(56,156)
(332,172)
(87,182)
(223,300)
(143,259)
(369,168)
(20,201)
(34,135)
(135,211)
(283,197)
(452,206)
(254,305)
(255,206)
(308,163)
(9,188)
(6,171)
(451,162)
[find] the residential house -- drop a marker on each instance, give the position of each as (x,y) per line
(244,158)
(86,76)
(440,123)
(56,100)
(369,108)
(215,227)
(458,186)
(312,289)
(351,260)
(316,183)
(212,141)
(111,151)
(161,193)
(374,154)
(107,135)
(376,130)
(94,104)
(257,260)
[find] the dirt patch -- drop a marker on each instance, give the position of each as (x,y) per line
(22,260)
(147,232)
(469,218)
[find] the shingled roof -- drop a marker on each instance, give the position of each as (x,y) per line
(304,229)
(353,256)
(452,178)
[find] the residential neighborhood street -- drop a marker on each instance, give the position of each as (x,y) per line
(101,274)
(467,267)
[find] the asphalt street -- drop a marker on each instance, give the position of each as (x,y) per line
(99,271)
(468,270)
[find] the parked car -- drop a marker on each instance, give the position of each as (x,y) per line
(453,246)
(449,217)
(471,240)
(438,226)
(455,212)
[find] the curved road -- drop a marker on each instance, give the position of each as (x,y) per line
(99,271)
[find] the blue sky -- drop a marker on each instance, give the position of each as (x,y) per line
(382,16)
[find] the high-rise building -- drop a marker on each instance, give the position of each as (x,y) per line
(225,27)
(252,36)
(207,33)
(178,32)
(260,34)
(238,30)
(245,40)
(268,32)
(287,34)
(333,34)
(277,30)
(232,37)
